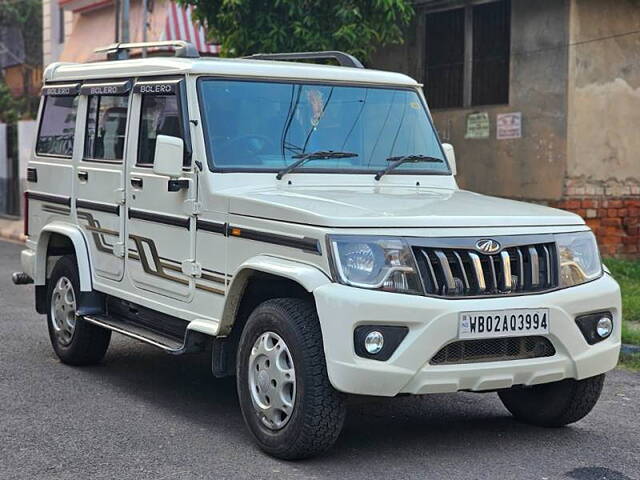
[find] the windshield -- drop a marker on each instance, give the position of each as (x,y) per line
(266,126)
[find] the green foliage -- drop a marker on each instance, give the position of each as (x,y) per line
(243,27)
(11,109)
(26,16)
(630,361)
(627,273)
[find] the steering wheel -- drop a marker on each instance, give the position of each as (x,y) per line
(251,144)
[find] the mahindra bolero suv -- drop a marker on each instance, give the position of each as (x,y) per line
(302,223)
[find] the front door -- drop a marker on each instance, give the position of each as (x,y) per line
(160,223)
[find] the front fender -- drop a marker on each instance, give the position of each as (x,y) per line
(307,276)
(80,245)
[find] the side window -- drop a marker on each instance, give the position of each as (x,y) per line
(57,125)
(160,115)
(106,127)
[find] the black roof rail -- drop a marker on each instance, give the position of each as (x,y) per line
(182,49)
(344,59)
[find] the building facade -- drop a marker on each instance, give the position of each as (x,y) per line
(540,100)
(72,29)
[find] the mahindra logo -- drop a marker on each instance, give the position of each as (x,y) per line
(488,246)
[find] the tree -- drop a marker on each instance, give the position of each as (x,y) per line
(24,16)
(243,27)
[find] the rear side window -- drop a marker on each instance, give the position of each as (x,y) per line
(57,126)
(160,116)
(106,127)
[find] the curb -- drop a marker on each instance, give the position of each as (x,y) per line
(630,349)
(13,237)
(11,230)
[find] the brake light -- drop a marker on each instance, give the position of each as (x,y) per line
(25,212)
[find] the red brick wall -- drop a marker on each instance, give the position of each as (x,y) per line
(615,221)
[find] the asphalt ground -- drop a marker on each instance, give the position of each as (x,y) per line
(143,414)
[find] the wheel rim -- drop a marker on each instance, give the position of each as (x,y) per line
(63,310)
(272,380)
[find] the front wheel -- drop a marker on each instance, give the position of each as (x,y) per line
(553,404)
(285,395)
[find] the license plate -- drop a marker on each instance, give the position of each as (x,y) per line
(503,323)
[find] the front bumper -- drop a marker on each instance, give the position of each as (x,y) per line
(433,323)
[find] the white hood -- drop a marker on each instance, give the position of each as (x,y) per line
(391,206)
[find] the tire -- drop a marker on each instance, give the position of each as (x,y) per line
(75,341)
(553,404)
(315,420)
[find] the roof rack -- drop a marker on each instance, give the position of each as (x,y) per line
(182,49)
(344,59)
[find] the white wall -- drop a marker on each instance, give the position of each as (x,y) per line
(4,168)
(27,130)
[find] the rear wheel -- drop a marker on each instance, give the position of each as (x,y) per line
(75,341)
(286,399)
(553,404)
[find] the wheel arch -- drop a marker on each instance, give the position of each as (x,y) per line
(256,280)
(264,268)
(57,239)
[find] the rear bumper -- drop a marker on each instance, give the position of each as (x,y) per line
(433,323)
(28,260)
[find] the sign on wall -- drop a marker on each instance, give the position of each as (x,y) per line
(509,126)
(477,125)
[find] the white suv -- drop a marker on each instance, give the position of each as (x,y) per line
(303,223)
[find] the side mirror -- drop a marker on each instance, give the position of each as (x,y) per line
(168,157)
(451,157)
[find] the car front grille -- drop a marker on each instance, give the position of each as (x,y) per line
(448,271)
(493,350)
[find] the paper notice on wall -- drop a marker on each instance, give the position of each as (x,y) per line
(477,125)
(509,126)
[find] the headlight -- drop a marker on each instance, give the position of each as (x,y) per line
(379,263)
(579,258)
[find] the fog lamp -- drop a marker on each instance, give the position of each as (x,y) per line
(373,342)
(595,326)
(604,327)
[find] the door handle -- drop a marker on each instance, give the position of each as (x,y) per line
(136,182)
(83,176)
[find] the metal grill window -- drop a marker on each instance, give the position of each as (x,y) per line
(461,272)
(493,350)
(467,55)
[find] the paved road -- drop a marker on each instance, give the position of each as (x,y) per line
(143,414)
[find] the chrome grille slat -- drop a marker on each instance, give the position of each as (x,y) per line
(466,272)
(506,270)
(446,269)
(434,279)
(548,263)
(521,265)
(477,268)
(494,277)
(534,261)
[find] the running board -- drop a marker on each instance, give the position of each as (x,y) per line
(192,342)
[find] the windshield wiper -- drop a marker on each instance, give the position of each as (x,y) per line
(319,155)
(397,161)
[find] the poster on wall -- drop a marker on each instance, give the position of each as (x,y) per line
(477,125)
(509,126)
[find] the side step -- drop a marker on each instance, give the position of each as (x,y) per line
(192,341)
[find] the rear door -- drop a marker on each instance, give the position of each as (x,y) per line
(50,171)
(99,176)
(160,222)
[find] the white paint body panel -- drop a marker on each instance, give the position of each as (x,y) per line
(380,206)
(434,322)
